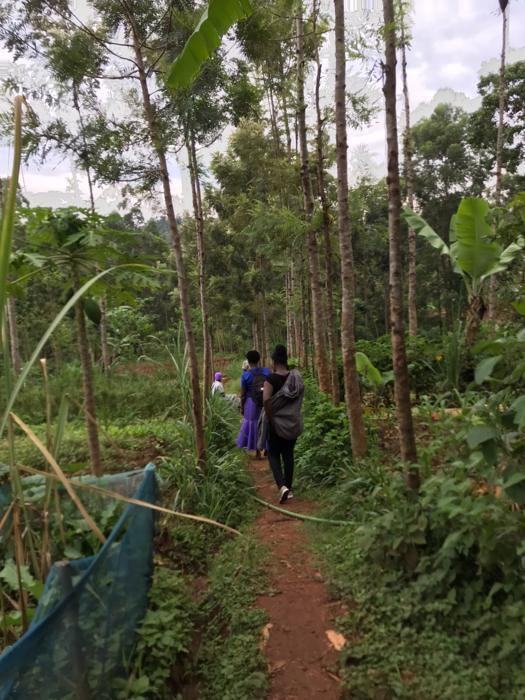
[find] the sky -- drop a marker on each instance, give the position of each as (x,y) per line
(451,41)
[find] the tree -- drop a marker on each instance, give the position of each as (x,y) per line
(399,360)
(321,141)
(353,395)
(473,252)
(73,241)
(132,35)
(500,138)
(408,171)
(484,123)
(445,169)
(318,320)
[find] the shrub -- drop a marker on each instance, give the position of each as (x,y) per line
(323,450)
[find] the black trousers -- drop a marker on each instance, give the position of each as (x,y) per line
(280,454)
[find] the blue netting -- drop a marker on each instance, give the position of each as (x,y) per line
(80,641)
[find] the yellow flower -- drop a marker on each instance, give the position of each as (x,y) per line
(439,358)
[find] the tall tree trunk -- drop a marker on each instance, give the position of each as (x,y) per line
(351,379)
(103,326)
(325,207)
(87,386)
(493,283)
(409,183)
(401,379)
(14,342)
(177,247)
(199,226)
(318,322)
(298,345)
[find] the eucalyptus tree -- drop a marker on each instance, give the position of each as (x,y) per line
(352,391)
(399,360)
(321,141)
(404,43)
(318,316)
(503,4)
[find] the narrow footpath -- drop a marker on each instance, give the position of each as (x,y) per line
(301,661)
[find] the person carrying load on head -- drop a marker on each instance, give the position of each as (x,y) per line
(252,381)
(217,387)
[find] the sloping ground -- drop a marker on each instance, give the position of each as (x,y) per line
(302,662)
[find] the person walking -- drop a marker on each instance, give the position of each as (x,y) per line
(281,421)
(252,382)
(217,387)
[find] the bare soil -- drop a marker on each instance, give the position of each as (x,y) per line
(301,661)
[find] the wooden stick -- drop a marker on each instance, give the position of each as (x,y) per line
(19,561)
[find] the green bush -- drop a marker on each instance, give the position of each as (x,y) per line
(323,450)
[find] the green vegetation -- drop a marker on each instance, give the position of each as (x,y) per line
(407,327)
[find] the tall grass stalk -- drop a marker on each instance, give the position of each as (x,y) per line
(9,212)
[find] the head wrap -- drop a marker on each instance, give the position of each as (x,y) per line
(218,376)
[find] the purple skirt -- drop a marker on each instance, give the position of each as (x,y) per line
(248,434)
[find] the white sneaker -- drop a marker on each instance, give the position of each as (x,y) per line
(290,495)
(283,494)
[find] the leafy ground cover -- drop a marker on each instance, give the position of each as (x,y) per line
(433,583)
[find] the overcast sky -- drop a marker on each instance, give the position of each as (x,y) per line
(452,39)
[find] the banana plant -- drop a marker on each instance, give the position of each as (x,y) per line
(216,20)
(474,253)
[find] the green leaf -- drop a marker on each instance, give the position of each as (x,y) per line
(475,252)
(485,368)
(29,583)
(92,311)
(514,484)
(518,406)
(479,434)
(519,306)
(424,230)
(367,369)
(217,19)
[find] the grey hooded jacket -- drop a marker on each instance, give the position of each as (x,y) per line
(286,404)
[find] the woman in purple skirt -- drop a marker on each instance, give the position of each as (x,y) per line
(252,382)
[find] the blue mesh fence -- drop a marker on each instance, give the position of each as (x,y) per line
(82,635)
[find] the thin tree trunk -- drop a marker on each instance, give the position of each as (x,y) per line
(296,323)
(325,207)
(493,283)
(103,326)
(318,321)
(401,378)
(177,249)
(14,342)
(87,385)
(409,183)
(199,226)
(305,339)
(287,313)
(351,379)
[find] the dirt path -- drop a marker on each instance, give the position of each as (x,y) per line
(301,661)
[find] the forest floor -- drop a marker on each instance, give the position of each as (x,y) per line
(302,663)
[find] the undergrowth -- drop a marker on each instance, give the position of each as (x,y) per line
(434,584)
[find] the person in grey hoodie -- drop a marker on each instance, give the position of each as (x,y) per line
(281,423)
